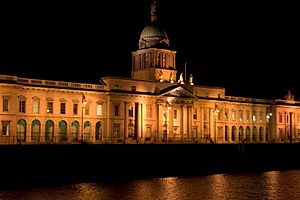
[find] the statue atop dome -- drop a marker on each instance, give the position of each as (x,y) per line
(153,12)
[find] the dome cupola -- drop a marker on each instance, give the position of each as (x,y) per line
(153,35)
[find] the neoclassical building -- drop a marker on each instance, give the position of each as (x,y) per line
(155,105)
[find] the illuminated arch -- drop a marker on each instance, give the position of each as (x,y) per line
(74,130)
(254,134)
(241,133)
(233,133)
(98,132)
(63,130)
(21,130)
(35,130)
(49,131)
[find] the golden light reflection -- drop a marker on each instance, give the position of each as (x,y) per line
(220,186)
(170,187)
(86,191)
(272,183)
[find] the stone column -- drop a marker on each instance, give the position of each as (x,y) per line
(108,135)
(201,123)
(211,124)
(190,124)
(170,131)
(159,122)
(28,131)
(56,131)
(181,125)
(42,132)
(141,120)
(136,120)
(125,120)
(174,61)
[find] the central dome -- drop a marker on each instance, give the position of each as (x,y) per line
(153,36)
(153,30)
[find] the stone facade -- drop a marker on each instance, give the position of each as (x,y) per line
(121,110)
(152,106)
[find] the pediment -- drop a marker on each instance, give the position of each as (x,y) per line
(178,92)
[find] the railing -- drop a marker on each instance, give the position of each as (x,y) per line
(17,140)
(51,83)
(48,140)
(244,99)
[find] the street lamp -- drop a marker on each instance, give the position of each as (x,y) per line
(269,115)
(215,113)
(83,107)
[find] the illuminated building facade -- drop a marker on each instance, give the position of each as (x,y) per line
(155,105)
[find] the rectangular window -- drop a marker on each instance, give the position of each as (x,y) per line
(241,115)
(175,114)
(219,114)
(247,116)
(22,104)
(195,114)
(116,110)
(75,109)
(5,128)
(254,116)
(50,107)
(280,118)
(130,112)
(99,109)
(260,116)
(5,105)
(62,108)
(233,115)
(36,106)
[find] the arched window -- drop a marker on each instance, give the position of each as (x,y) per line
(98,131)
(248,133)
(63,131)
(21,130)
(233,132)
(49,131)
(35,131)
(241,133)
(87,130)
(254,134)
(226,133)
(261,133)
(74,130)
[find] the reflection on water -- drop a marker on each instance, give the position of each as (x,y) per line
(267,185)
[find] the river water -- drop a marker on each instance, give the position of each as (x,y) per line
(262,185)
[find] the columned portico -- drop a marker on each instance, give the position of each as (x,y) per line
(171,129)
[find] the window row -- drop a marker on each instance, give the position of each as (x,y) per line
(36,107)
(36,129)
(235,115)
(288,117)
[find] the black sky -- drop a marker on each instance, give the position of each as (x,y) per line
(250,49)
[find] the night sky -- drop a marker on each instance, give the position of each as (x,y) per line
(250,49)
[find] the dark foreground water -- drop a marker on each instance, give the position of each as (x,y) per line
(263,185)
